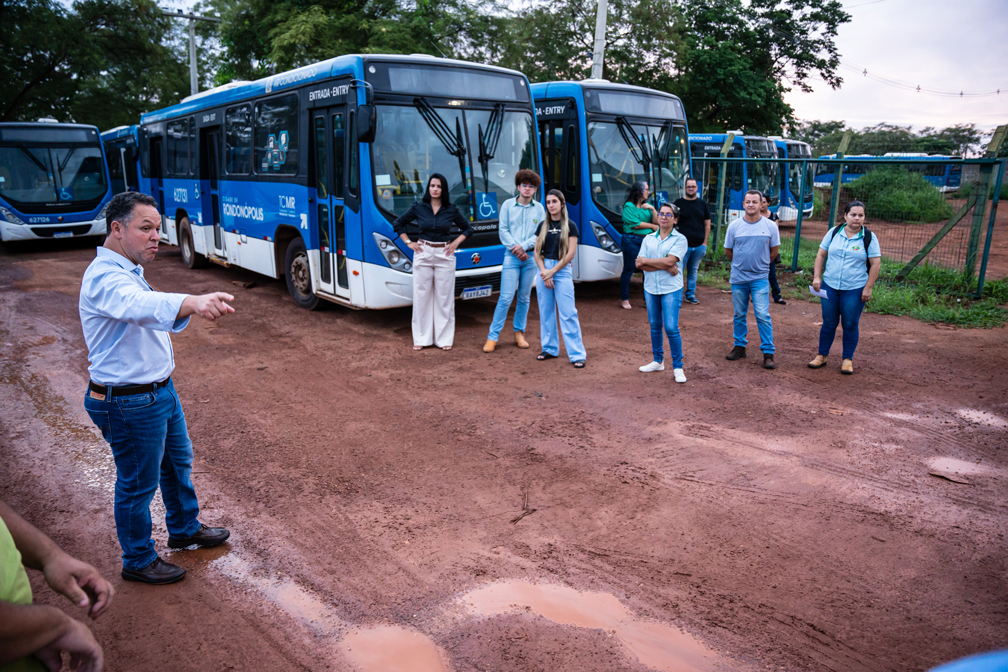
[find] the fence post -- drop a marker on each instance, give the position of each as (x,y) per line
(983,187)
(801,212)
(835,200)
(721,192)
(990,229)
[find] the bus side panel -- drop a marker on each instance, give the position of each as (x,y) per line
(253,211)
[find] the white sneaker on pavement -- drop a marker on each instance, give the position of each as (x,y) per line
(680,377)
(653,366)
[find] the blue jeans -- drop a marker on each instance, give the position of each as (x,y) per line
(517,279)
(663,311)
(759,290)
(631,248)
(151,446)
(560,298)
(842,307)
(694,256)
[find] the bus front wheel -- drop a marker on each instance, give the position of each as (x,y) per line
(189,256)
(299,275)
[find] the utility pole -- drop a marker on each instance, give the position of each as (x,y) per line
(193,18)
(599,53)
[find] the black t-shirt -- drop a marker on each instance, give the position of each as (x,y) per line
(551,246)
(692,215)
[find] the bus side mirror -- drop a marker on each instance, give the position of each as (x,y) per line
(367,121)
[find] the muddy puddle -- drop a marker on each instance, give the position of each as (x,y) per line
(391,648)
(659,646)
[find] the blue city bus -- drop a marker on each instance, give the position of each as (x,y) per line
(53,181)
(790,179)
(597,139)
(944,176)
(301,174)
(740,177)
(122,150)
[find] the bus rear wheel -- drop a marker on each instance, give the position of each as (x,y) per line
(299,275)
(189,256)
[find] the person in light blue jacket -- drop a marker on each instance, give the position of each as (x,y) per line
(520,217)
(852,259)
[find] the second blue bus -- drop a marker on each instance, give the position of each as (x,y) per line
(740,177)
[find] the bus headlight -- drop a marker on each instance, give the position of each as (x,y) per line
(393,256)
(605,241)
(11,217)
(101,215)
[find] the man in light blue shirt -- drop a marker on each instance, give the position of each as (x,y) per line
(751,242)
(131,397)
(661,258)
(519,219)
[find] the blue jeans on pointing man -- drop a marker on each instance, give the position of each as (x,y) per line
(517,280)
(694,256)
(759,291)
(150,445)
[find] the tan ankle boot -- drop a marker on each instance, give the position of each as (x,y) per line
(847,366)
(520,339)
(490,345)
(817,363)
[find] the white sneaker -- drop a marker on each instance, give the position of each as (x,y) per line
(680,377)
(653,366)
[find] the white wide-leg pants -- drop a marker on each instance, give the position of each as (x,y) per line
(433,297)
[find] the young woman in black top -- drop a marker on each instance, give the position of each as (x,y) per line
(434,263)
(556,243)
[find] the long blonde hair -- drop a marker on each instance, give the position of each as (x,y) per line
(564,225)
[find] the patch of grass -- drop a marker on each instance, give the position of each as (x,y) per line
(965,190)
(895,194)
(932,294)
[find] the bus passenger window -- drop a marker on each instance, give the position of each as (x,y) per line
(193,153)
(354,181)
(572,158)
(177,149)
(339,160)
(238,140)
(276,136)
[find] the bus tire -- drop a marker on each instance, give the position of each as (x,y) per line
(298,274)
(189,255)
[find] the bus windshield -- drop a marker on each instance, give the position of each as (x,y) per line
(614,167)
(36,174)
(407,151)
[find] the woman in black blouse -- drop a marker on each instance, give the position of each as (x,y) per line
(434,263)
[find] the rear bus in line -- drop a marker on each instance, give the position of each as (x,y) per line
(301,174)
(740,177)
(597,139)
(941,170)
(791,179)
(53,181)
(122,150)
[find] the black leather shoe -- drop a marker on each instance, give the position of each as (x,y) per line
(778,300)
(158,572)
(205,537)
(738,352)
(768,362)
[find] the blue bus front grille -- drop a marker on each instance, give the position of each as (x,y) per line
(78,230)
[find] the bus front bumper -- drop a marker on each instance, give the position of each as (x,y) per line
(11,232)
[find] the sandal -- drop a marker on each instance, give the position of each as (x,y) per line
(543,356)
(418,347)
(446,347)
(579,364)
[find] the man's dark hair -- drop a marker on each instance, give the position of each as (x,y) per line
(526,176)
(122,206)
(753,191)
(691,179)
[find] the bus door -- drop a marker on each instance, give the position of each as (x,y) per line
(210,142)
(157,178)
(328,140)
(560,140)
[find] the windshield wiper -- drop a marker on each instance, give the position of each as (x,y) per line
(637,148)
(33,158)
(488,142)
(452,142)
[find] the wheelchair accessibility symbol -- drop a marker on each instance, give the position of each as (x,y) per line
(486,205)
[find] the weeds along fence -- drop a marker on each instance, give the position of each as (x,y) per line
(918,209)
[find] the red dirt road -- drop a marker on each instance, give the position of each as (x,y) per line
(786,519)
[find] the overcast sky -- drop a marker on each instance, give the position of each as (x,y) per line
(938,45)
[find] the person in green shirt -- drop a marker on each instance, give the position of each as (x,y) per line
(33,637)
(639,219)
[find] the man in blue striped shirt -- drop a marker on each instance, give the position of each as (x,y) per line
(131,397)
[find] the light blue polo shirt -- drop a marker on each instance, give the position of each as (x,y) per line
(750,243)
(846,260)
(653,247)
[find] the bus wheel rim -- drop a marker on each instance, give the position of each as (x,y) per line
(300,273)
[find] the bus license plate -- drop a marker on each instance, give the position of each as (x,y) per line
(63,234)
(477,292)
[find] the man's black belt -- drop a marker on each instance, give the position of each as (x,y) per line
(126,390)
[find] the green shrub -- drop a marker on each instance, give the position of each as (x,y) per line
(818,204)
(895,194)
(967,189)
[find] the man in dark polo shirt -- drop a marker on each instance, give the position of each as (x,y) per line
(694,223)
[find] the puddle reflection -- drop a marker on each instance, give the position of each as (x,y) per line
(390,648)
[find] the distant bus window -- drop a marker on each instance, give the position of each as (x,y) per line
(193,153)
(238,140)
(276,136)
(177,148)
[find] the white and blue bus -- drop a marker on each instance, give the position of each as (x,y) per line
(791,179)
(740,177)
(944,176)
(122,151)
(53,181)
(597,139)
(301,174)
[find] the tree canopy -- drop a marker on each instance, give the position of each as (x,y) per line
(825,136)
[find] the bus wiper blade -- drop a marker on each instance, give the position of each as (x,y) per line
(663,143)
(493,132)
(33,158)
(453,142)
(637,148)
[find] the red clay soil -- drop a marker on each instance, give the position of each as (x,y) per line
(788,519)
